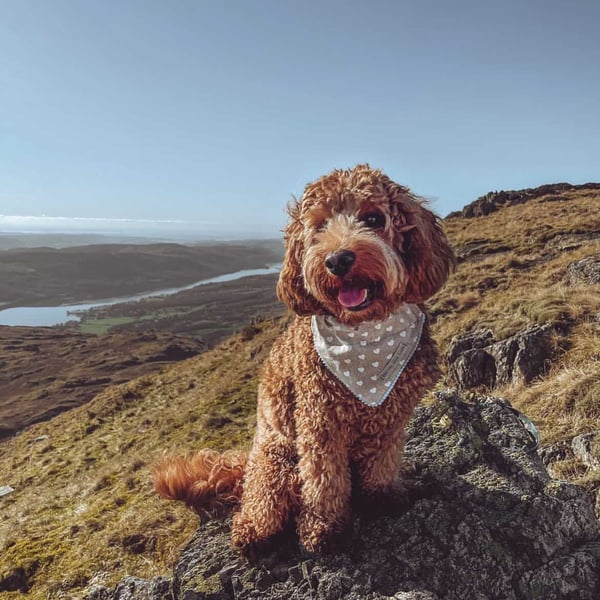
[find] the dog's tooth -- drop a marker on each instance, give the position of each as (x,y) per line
(348,361)
(346,373)
(373,377)
(389,356)
(391,343)
(351,334)
(387,383)
(361,369)
(375,364)
(376,350)
(389,328)
(363,342)
(403,333)
(359,383)
(365,333)
(377,339)
(378,325)
(361,357)
(373,390)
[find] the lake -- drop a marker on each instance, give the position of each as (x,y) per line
(46,316)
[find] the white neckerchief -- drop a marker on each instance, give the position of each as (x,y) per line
(368,358)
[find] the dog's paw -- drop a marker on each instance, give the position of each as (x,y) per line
(320,536)
(247,539)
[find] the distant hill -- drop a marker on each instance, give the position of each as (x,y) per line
(50,277)
(83,508)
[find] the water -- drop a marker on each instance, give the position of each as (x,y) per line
(46,316)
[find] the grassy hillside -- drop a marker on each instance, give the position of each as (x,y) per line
(513,273)
(47,370)
(83,508)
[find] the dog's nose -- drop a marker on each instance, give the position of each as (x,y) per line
(339,263)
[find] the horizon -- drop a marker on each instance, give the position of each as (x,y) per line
(179,230)
(167,229)
(221,113)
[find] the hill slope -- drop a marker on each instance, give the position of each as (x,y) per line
(516,270)
(83,504)
(83,508)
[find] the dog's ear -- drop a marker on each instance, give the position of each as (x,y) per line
(290,287)
(427,253)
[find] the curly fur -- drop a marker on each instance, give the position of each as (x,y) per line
(314,440)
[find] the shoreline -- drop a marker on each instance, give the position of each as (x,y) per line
(32,316)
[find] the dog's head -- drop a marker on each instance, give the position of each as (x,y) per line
(358,245)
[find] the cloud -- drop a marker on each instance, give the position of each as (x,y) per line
(93,222)
(158,228)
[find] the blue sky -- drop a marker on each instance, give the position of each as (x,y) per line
(218,112)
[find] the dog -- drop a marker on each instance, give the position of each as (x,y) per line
(362,255)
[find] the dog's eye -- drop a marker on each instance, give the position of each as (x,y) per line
(373,220)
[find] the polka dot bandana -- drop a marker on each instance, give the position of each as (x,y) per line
(370,357)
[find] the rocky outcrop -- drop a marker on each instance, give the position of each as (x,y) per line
(586,271)
(482,520)
(133,588)
(493,201)
(586,448)
(477,359)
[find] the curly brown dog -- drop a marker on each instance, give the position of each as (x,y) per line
(340,385)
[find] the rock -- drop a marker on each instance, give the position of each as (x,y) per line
(132,588)
(482,521)
(5,490)
(534,350)
(475,359)
(586,270)
(555,452)
(586,448)
(474,368)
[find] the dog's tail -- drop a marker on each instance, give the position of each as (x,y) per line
(210,483)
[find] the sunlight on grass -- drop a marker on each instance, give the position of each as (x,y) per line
(102,326)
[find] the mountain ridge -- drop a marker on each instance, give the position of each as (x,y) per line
(493,201)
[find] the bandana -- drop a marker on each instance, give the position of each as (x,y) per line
(370,357)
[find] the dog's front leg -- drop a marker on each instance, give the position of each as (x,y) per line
(378,465)
(325,477)
(268,494)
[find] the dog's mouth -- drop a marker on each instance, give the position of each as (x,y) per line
(355,295)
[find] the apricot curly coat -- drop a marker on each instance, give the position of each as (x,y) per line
(313,437)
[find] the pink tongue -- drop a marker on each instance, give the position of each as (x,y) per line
(350,297)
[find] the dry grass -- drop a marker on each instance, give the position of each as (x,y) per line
(524,282)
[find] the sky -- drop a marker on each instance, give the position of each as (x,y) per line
(216,113)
